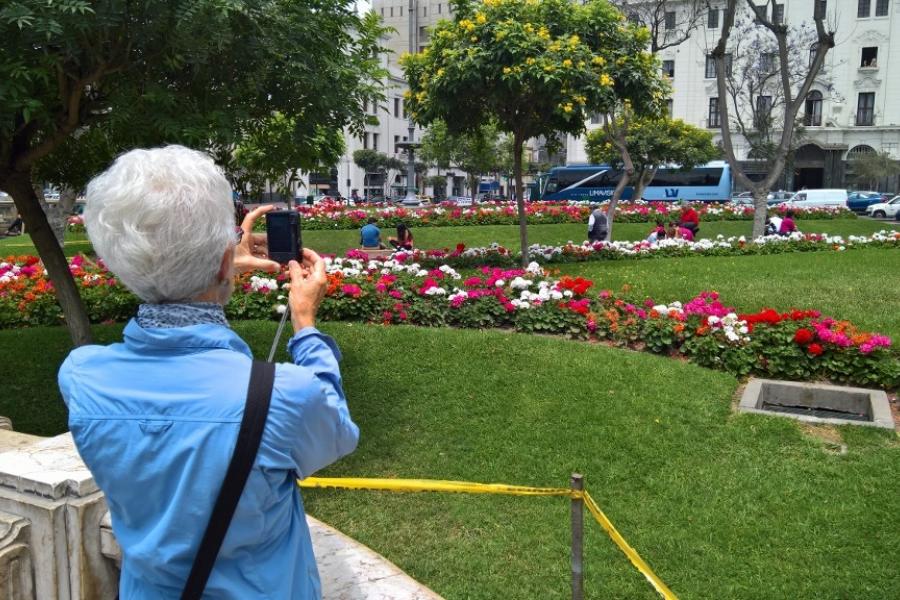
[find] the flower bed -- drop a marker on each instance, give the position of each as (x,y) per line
(496,255)
(796,345)
(338,216)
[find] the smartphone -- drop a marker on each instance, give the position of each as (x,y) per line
(283,234)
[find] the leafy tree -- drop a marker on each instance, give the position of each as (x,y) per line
(534,67)
(474,151)
(871,168)
(654,142)
(277,149)
(782,70)
(198,72)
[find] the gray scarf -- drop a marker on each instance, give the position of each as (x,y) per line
(163,316)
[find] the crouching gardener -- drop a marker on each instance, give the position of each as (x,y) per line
(597,225)
(156,417)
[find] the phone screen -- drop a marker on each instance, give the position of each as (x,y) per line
(280,237)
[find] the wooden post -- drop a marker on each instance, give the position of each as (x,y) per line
(577,484)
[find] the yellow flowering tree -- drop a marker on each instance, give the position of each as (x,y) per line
(535,67)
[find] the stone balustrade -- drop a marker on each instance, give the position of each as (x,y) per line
(57,543)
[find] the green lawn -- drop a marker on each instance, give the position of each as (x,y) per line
(339,241)
(860,285)
(721,506)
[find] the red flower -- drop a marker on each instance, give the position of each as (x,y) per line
(815,349)
(804,336)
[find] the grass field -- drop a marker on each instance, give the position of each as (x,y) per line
(721,506)
(339,241)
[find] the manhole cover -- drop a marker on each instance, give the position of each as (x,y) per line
(817,403)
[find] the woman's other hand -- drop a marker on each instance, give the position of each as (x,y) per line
(252,252)
(308,286)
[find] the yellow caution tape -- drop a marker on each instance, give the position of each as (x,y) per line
(468,487)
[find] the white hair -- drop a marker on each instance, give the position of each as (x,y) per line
(161,220)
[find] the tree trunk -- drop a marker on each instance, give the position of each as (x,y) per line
(642,182)
(627,173)
(518,140)
(18,185)
(760,212)
(58,214)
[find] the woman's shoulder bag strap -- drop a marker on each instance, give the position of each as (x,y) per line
(259,394)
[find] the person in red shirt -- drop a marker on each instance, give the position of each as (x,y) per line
(690,220)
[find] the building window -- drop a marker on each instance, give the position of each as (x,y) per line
(670,107)
(670,20)
(864,9)
(865,109)
(392,11)
(712,19)
(424,11)
(714,119)
(778,14)
(396,141)
(761,11)
(711,66)
(382,11)
(869,57)
(767,62)
(668,68)
(401,10)
(763,110)
(423,33)
(813,116)
(819,9)
(439,9)
(397,107)
(813,50)
(595,118)
(374,141)
(365,140)
(881,8)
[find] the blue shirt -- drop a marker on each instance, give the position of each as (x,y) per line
(370,236)
(156,418)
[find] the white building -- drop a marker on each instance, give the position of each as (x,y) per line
(853,107)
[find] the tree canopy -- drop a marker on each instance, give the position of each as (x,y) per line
(198,72)
(535,67)
(653,142)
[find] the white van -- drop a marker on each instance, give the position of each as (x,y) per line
(819,198)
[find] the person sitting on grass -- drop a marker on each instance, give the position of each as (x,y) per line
(370,236)
(156,416)
(787,226)
(676,231)
(15,228)
(690,220)
(773,225)
(658,233)
(404,239)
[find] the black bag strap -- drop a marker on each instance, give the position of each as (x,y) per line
(259,394)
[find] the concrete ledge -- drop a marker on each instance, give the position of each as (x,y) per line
(352,571)
(789,399)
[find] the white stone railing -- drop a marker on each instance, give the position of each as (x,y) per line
(57,543)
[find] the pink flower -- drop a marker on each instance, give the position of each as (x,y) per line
(396,294)
(351,289)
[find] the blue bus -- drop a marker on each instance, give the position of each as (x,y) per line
(595,183)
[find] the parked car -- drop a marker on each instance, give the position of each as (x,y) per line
(778,197)
(858,201)
(806,198)
(882,210)
(461,200)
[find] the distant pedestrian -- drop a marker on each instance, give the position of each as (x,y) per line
(598,226)
(15,228)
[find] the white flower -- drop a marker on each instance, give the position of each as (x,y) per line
(280,308)
(500,283)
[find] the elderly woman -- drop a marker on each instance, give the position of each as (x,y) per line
(156,416)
